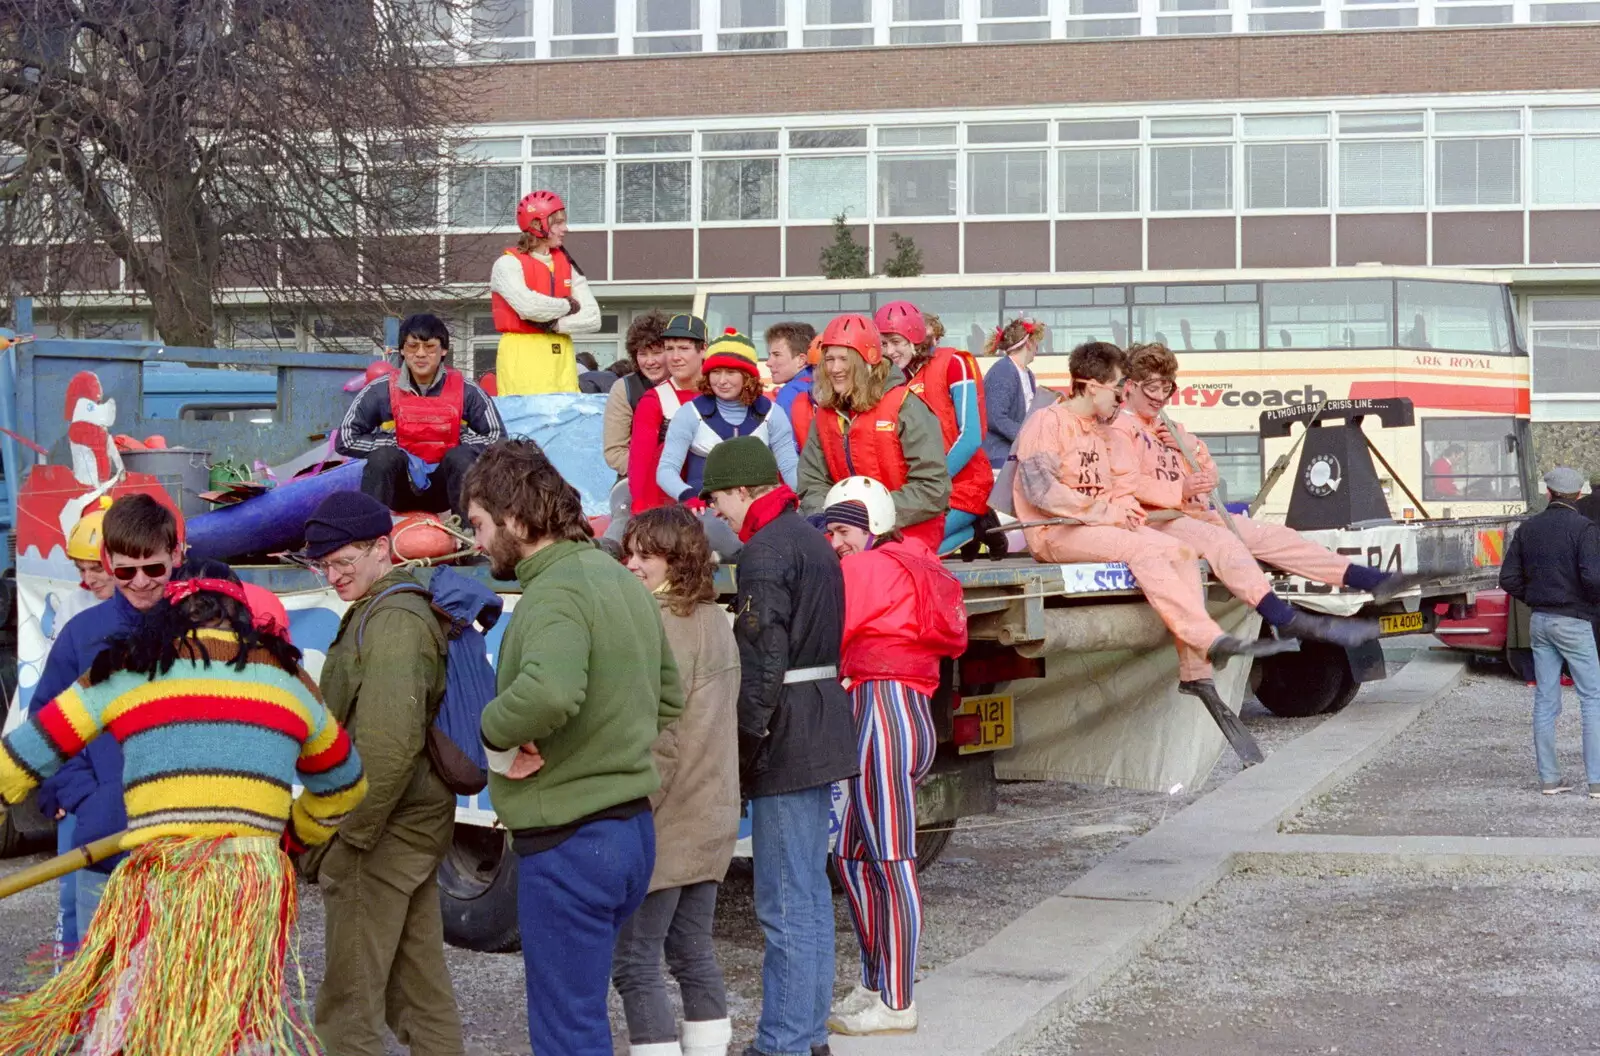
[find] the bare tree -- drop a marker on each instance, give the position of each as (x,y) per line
(292,146)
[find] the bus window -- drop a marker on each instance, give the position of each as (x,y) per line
(1455,317)
(1074,314)
(1470,459)
(1349,314)
(1238,459)
(1198,318)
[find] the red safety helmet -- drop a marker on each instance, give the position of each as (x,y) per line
(903,318)
(857,332)
(536,209)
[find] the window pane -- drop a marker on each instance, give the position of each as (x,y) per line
(1104,7)
(585,16)
(752,41)
(720,141)
(1088,131)
(653,144)
(1409,121)
(837,12)
(1287,125)
(666,45)
(484,196)
(1471,16)
(489,149)
(1028,132)
(1287,176)
(1380,19)
(566,49)
(1566,359)
(1355,314)
(1380,174)
(567,145)
(1071,327)
(1567,119)
(917,136)
(1238,459)
(1013,8)
(1565,13)
(925,35)
(917,185)
(1286,22)
(1190,127)
(653,192)
(1479,172)
(822,188)
(581,187)
(1566,171)
(749,14)
(825,138)
(926,10)
(1455,316)
(1466,459)
(1009,182)
(500,18)
(1192,178)
(1199,327)
(992,31)
(836,38)
(741,189)
(656,16)
(1171,27)
(1100,181)
(1585,310)
(1102,27)
(1477,121)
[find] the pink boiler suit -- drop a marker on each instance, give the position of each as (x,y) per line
(1069,465)
(1162,471)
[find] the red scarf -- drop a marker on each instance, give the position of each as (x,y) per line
(765,510)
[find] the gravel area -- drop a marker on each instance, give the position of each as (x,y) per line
(1369,965)
(1465,768)
(1043,836)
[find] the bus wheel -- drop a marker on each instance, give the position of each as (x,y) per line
(1310,682)
(478,891)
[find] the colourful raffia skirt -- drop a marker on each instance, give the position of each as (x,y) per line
(186,955)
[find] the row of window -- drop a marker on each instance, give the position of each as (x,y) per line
(586,28)
(1200,317)
(1377,161)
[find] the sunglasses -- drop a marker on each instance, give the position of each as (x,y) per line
(128,573)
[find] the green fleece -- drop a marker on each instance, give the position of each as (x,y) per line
(586,674)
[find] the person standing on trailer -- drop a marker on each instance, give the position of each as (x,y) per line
(684,342)
(540,299)
(649,357)
(1553,565)
(697,808)
(948,381)
(788,349)
(1010,386)
(903,614)
(1164,481)
(865,428)
(796,736)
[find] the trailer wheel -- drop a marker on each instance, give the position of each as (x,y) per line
(1520,661)
(478,891)
(1310,682)
(932,841)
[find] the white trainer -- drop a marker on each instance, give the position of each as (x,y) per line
(875,1018)
(858,998)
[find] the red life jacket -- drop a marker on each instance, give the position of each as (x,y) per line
(870,445)
(428,426)
(972,483)
(540,279)
(801,412)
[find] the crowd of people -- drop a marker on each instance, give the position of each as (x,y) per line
(631,717)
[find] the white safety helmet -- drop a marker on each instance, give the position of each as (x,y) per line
(869,493)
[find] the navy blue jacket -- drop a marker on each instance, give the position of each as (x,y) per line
(1006,404)
(89,785)
(1553,563)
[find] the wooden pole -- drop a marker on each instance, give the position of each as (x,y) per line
(62,864)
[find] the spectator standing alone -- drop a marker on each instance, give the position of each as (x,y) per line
(1553,565)
(1009,387)
(796,736)
(419,428)
(587,682)
(697,808)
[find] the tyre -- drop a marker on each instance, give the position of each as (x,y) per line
(932,841)
(1520,661)
(478,891)
(1310,682)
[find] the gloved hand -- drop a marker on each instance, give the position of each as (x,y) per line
(291,843)
(572,302)
(749,748)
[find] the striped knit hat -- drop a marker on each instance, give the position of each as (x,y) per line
(731,351)
(852,512)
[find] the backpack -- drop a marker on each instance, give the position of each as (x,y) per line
(455,744)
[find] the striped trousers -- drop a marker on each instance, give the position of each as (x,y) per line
(877,849)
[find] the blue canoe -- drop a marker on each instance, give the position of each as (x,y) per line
(268,523)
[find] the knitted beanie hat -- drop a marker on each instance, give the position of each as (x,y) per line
(743,462)
(731,351)
(853,513)
(343,518)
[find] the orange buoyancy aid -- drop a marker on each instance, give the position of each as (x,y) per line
(428,426)
(801,411)
(541,280)
(972,483)
(867,445)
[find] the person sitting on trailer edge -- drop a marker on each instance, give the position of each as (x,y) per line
(1072,467)
(865,428)
(420,427)
(1164,481)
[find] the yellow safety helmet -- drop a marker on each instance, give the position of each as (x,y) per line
(84,544)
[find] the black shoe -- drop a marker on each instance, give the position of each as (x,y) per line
(1345,631)
(1227,647)
(1400,582)
(1244,745)
(821,1050)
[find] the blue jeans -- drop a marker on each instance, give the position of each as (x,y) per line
(1558,638)
(91,885)
(67,927)
(794,903)
(572,901)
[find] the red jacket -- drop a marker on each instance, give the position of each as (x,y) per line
(972,483)
(902,613)
(650,422)
(540,280)
(428,426)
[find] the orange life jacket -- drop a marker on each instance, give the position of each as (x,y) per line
(428,426)
(972,483)
(540,279)
(801,412)
(869,444)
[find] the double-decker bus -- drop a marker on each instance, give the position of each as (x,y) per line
(1252,340)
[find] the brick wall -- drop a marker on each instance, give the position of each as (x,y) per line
(1289,65)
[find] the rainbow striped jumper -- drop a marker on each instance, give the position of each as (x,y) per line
(208,750)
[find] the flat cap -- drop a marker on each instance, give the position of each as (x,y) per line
(1564,480)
